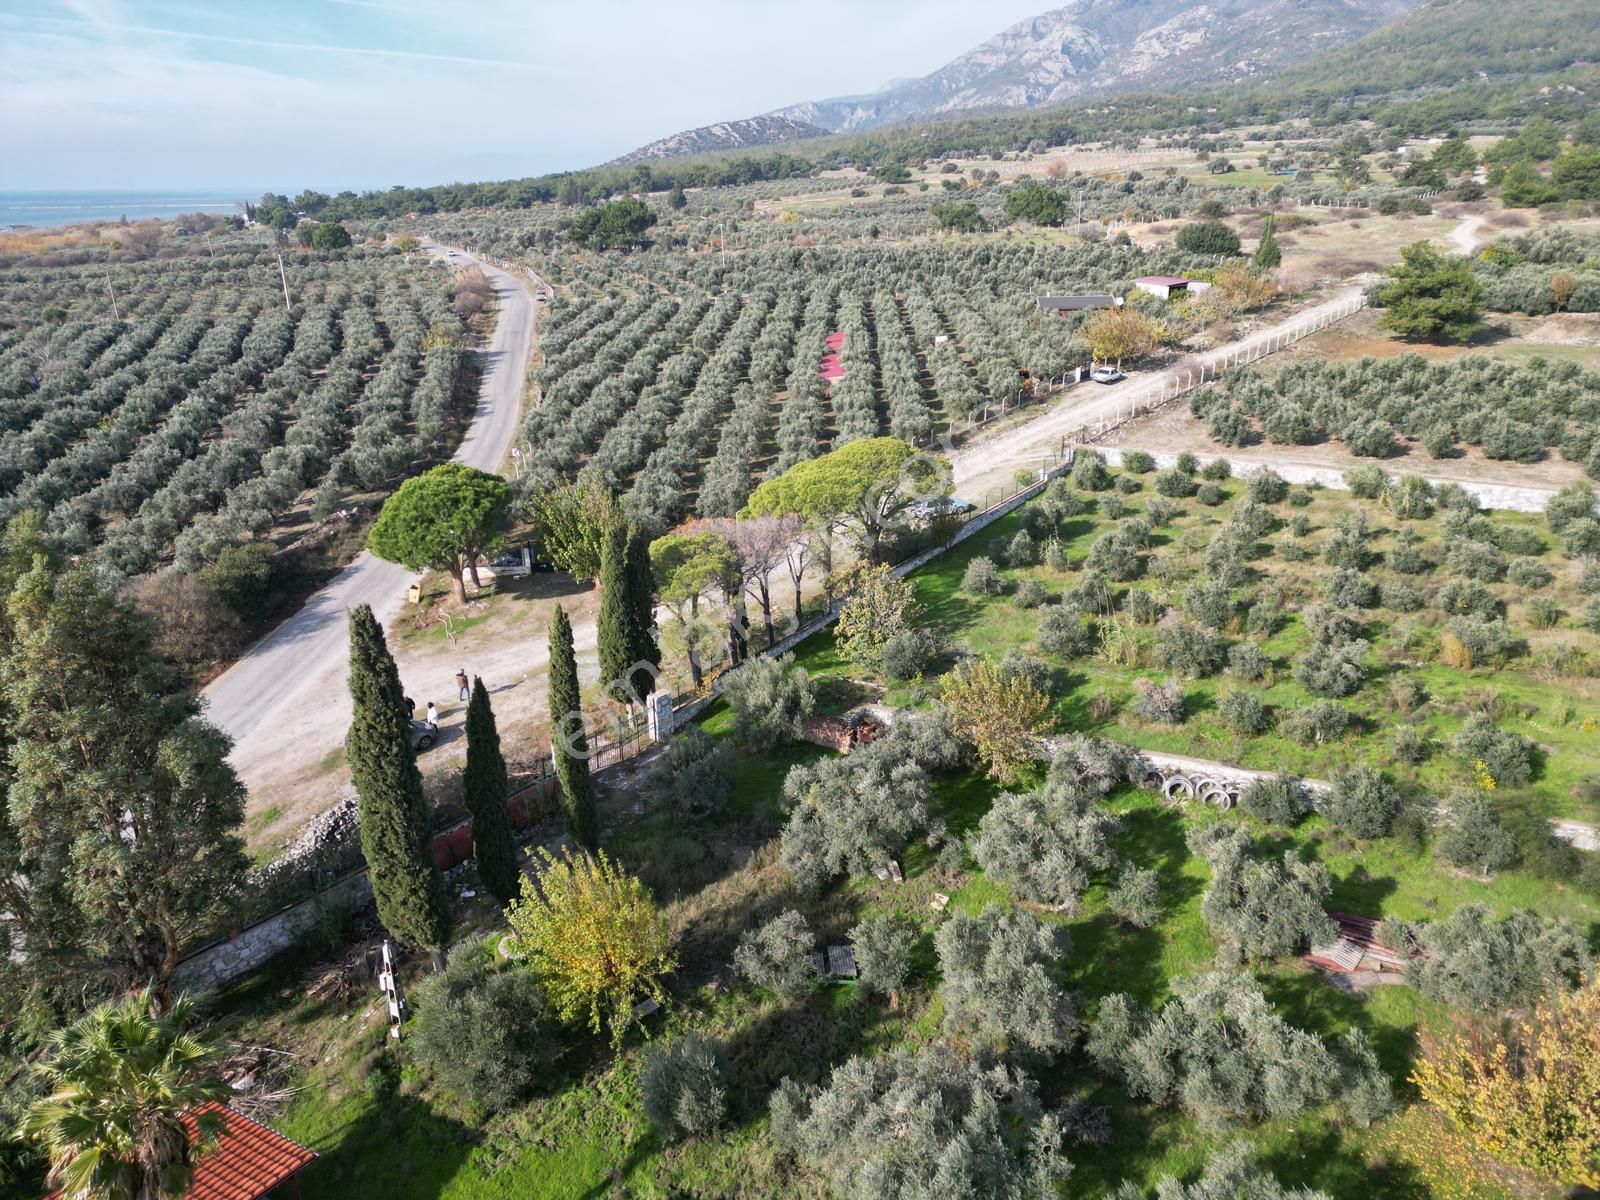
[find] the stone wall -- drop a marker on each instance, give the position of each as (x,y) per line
(254,945)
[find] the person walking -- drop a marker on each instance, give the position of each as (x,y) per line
(433,715)
(463,685)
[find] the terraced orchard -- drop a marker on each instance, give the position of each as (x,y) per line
(684,381)
(200,411)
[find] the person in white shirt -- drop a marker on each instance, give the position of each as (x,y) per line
(433,714)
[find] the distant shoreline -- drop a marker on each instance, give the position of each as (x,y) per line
(40,211)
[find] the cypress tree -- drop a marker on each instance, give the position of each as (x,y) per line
(570,742)
(642,645)
(487,788)
(1268,255)
(615,623)
(394,817)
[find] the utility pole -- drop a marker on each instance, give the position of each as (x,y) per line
(113,292)
(285,280)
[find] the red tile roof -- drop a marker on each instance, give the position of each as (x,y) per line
(249,1159)
(1168,280)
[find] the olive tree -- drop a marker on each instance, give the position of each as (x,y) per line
(996,979)
(1260,909)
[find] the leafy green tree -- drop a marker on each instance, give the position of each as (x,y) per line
(642,644)
(1209,238)
(1220,1052)
(571,521)
(883,955)
(878,607)
(777,955)
(923,1122)
(1000,715)
(1431,297)
(1268,253)
(1473,836)
(771,699)
(851,815)
(677,200)
(394,815)
(330,235)
(570,741)
(442,519)
(682,1086)
(614,628)
(861,486)
(120,1081)
(687,567)
(996,981)
(1261,909)
(121,832)
(1471,959)
(618,224)
(961,218)
(482,1031)
(1035,202)
(486,788)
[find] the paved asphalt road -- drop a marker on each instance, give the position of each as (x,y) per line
(291,685)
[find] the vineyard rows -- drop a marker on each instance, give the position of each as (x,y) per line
(204,413)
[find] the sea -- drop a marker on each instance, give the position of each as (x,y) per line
(47,209)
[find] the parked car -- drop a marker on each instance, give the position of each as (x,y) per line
(423,735)
(1106,375)
(518,564)
(943,506)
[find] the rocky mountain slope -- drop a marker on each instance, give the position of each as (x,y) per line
(1084,49)
(765,130)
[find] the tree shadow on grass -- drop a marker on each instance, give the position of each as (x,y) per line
(1323,1161)
(1307,999)
(396,1146)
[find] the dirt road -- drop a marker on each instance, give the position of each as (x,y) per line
(992,462)
(1464,237)
(285,702)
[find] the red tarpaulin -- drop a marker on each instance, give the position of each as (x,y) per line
(832,368)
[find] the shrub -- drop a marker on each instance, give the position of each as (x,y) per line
(1544,613)
(1439,439)
(1161,511)
(853,814)
(1230,1174)
(1362,803)
(1188,650)
(1399,597)
(997,983)
(1141,606)
(1210,495)
(1316,724)
(1332,668)
(1468,642)
(1055,555)
(1351,589)
(907,654)
(1268,487)
(1129,484)
(1369,439)
(1473,836)
(1244,712)
(695,774)
(885,1126)
(1575,502)
(1176,484)
(1220,1052)
(1021,550)
(1063,632)
(1161,703)
(883,954)
(1276,799)
(777,956)
(1410,744)
(1208,238)
(1465,598)
(1030,594)
(1260,909)
(1187,462)
(1112,507)
(1018,665)
(1217,470)
(1135,897)
(878,606)
(1477,560)
(1367,483)
(1210,603)
(770,699)
(484,1033)
(1411,498)
(682,1086)
(1089,472)
(982,578)
(1407,560)
(1506,756)
(1137,462)
(1529,573)
(1472,960)
(1248,661)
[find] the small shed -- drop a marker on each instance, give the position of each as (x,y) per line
(1163,286)
(1065,305)
(249,1161)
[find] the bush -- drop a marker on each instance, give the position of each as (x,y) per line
(682,1086)
(1161,703)
(1473,960)
(1030,594)
(770,699)
(1141,607)
(1248,661)
(1208,238)
(1410,744)
(1018,665)
(1278,800)
(1367,483)
(1408,560)
(1244,712)
(1529,573)
(1464,598)
(1351,589)
(1210,495)
(1021,550)
(1137,462)
(1362,803)
(1508,757)
(1473,836)
(1135,897)
(1217,470)
(1089,472)
(907,654)
(1332,668)
(1055,555)
(482,1032)
(777,956)
(997,981)
(1063,632)
(982,578)
(695,773)
(1399,597)
(1477,560)
(1468,642)
(1188,650)
(1544,613)
(1260,909)
(1316,724)
(1176,484)
(883,953)
(1161,511)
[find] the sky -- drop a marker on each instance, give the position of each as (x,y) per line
(333,94)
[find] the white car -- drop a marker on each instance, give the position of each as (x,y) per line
(947,506)
(1106,375)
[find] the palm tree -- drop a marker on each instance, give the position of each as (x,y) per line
(120,1081)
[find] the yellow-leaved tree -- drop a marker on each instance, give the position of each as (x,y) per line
(999,714)
(1114,334)
(1526,1090)
(593,934)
